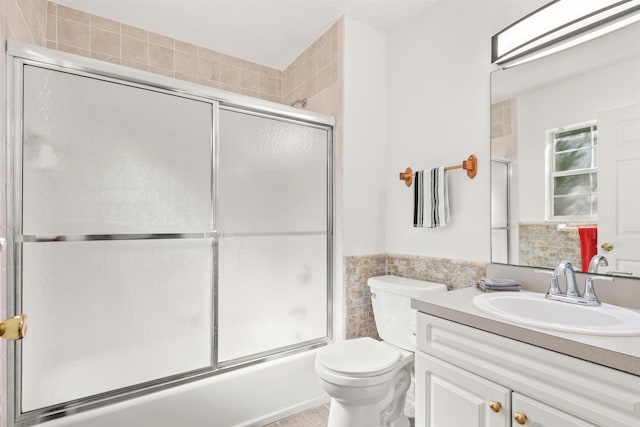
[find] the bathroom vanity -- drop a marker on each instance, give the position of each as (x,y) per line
(473,369)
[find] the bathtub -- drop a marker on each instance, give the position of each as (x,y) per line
(251,396)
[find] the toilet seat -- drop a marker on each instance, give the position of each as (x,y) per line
(359,358)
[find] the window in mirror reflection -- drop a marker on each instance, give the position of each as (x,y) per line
(572,170)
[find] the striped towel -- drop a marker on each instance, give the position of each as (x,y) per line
(431,198)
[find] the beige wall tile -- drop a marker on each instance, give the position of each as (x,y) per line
(160,57)
(230,60)
(209,54)
(208,70)
(328,75)
(161,71)
(105,42)
(52,28)
(135,50)
(72,33)
(228,87)
(210,83)
(161,40)
(230,74)
(248,92)
(271,98)
(11,19)
(324,39)
(111,41)
(106,58)
(65,12)
(250,80)
(271,72)
(186,47)
(133,32)
(74,50)
(186,64)
(311,64)
(248,65)
(268,85)
(105,24)
(186,77)
(324,55)
(134,64)
(310,86)
(22,30)
(300,75)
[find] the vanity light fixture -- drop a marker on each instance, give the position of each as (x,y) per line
(560,25)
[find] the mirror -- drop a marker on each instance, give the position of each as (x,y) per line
(565,149)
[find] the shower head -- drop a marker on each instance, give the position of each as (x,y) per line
(14,328)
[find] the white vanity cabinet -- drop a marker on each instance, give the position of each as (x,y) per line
(468,377)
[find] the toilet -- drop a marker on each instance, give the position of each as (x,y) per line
(367,379)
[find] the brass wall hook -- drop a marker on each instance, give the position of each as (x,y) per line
(14,328)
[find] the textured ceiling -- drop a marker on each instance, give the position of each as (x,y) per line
(268,32)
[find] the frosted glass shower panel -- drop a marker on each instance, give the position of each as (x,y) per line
(272,175)
(272,294)
(101,157)
(110,314)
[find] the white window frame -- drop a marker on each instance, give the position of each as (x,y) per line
(550,172)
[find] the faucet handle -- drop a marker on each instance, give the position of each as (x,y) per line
(590,293)
(554,287)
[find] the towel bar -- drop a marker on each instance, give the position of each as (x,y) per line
(470,165)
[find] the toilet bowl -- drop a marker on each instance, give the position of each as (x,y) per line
(366,379)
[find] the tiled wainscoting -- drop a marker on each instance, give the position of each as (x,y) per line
(358,269)
(542,244)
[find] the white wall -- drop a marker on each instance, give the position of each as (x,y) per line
(566,102)
(439,67)
(365,138)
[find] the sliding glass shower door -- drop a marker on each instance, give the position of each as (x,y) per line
(116,236)
(158,235)
(273,221)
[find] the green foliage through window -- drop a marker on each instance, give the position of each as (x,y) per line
(574,174)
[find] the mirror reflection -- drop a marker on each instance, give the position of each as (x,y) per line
(565,144)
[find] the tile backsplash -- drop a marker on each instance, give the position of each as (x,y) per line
(543,245)
(359,320)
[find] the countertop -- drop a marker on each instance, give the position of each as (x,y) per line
(621,353)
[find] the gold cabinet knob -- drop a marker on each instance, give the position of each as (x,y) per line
(520,418)
(14,328)
(607,246)
(495,406)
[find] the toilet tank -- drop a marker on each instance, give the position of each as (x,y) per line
(391,301)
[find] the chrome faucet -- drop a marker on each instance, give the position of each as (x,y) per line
(597,261)
(572,294)
(565,268)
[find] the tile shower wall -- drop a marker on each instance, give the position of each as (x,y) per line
(74,31)
(543,245)
(315,69)
(81,33)
(358,269)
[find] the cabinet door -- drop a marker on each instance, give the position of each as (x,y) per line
(541,415)
(449,396)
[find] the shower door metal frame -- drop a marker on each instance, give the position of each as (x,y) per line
(19,55)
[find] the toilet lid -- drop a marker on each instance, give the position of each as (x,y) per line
(359,357)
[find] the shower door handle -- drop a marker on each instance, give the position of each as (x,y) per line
(14,328)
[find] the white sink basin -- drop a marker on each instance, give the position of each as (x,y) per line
(533,309)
